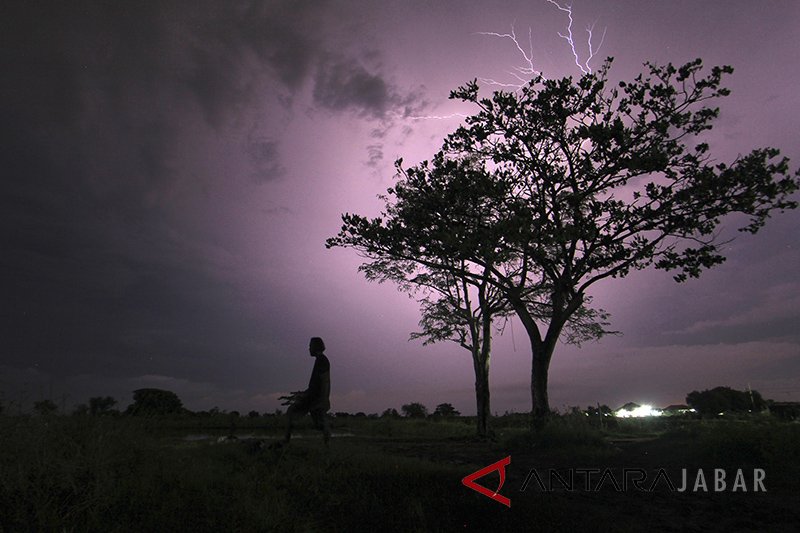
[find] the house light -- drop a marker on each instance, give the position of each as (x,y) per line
(638,412)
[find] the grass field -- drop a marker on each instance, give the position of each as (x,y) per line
(84,473)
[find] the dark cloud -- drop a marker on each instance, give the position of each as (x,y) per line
(265,157)
(234,51)
(103,272)
(375,155)
(98,100)
(347,85)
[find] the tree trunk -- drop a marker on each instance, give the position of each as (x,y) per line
(482,395)
(540,365)
(541,353)
(481,352)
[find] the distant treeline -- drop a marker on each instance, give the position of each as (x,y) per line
(155,402)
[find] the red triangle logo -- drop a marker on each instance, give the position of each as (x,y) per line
(500,466)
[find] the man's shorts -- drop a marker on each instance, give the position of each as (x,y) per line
(318,418)
(317,415)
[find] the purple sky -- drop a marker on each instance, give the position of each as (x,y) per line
(170,172)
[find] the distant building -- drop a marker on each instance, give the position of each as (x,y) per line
(677,410)
(630,406)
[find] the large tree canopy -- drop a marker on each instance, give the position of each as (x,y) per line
(546,191)
(148,402)
(458,299)
(723,400)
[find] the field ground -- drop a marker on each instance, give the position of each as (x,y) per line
(127,474)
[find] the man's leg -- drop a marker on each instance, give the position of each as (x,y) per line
(321,421)
(326,429)
(293,412)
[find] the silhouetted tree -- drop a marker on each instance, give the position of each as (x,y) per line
(414,410)
(445,410)
(459,300)
(589,180)
(253,414)
(155,402)
(390,413)
(453,309)
(45,407)
(101,404)
(724,400)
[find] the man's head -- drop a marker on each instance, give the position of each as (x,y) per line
(316,346)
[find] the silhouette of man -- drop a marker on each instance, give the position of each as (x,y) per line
(316,398)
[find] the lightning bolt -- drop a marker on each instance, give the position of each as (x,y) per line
(439,117)
(584,67)
(523,74)
(528,70)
